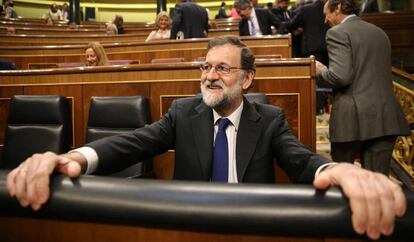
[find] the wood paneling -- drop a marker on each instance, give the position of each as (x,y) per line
(24,229)
(144,52)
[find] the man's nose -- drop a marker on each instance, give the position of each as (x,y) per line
(212,74)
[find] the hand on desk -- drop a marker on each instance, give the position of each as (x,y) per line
(29,182)
(374,199)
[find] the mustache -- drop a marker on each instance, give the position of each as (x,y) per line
(213,83)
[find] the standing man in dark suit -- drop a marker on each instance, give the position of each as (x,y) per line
(253,135)
(311,19)
(366,117)
(281,10)
(191,19)
(255,21)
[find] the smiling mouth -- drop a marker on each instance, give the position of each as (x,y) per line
(212,86)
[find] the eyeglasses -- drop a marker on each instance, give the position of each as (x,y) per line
(220,69)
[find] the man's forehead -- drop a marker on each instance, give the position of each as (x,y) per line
(225,53)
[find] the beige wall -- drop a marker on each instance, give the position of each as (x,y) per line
(136,11)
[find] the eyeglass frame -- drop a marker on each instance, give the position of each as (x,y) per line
(220,72)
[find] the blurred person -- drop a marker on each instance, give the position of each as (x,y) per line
(10,30)
(3,8)
(198,127)
(111,28)
(269,6)
(222,11)
(95,55)
(233,13)
(54,13)
(65,12)
(254,21)
(49,20)
(119,22)
(311,20)
(189,20)
(163,25)
(281,10)
(366,117)
(10,12)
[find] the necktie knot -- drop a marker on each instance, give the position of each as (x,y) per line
(223,123)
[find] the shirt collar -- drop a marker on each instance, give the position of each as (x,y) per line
(347,17)
(253,14)
(233,117)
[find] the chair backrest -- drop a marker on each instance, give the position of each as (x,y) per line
(116,115)
(36,124)
(257,97)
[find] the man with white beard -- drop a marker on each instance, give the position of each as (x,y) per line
(221,137)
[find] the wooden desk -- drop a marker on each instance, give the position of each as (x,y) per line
(144,52)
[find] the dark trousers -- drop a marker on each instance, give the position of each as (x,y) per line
(375,154)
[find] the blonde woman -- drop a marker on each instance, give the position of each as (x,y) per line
(95,55)
(163,25)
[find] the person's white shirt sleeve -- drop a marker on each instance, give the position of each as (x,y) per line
(91,158)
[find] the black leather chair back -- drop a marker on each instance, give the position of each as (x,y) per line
(257,97)
(116,115)
(36,124)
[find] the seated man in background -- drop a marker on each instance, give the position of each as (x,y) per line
(221,137)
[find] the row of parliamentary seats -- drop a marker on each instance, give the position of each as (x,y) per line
(143,52)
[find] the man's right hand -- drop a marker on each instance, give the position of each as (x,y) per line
(29,182)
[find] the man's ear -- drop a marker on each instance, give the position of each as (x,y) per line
(338,9)
(248,80)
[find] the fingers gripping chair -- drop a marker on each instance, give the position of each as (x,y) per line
(36,124)
(116,115)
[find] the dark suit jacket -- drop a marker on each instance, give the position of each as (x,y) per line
(364,105)
(263,135)
(265,19)
(310,17)
(280,14)
(191,19)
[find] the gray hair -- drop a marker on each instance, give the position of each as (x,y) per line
(247,57)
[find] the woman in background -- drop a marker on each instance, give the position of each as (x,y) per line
(222,11)
(119,22)
(163,25)
(111,29)
(95,55)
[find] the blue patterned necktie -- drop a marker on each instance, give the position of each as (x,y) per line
(253,28)
(221,153)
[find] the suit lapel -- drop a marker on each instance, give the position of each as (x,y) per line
(247,138)
(202,126)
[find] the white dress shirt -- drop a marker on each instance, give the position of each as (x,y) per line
(253,21)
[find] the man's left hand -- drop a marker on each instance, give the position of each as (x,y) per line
(374,199)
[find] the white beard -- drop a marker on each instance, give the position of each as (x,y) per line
(220,99)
